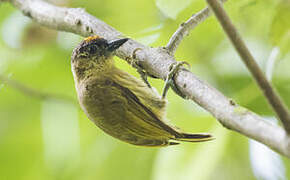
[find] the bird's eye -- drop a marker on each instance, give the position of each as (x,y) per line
(92,49)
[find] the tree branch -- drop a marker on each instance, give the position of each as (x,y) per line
(186,27)
(156,61)
(32,92)
(273,98)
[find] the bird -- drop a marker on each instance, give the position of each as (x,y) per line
(120,104)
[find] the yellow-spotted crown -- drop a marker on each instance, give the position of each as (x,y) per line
(90,38)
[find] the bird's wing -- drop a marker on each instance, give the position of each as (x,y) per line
(141,112)
(145,94)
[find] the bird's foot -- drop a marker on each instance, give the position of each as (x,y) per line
(135,63)
(170,82)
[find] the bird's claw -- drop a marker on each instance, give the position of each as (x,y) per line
(140,70)
(170,82)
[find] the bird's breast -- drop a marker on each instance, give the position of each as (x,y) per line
(99,102)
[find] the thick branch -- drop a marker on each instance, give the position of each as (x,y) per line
(186,27)
(269,92)
(156,61)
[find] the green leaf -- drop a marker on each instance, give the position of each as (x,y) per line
(171,8)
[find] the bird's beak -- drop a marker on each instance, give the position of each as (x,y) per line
(112,46)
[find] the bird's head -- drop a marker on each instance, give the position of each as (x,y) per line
(95,48)
(94,56)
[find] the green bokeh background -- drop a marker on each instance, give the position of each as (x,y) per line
(53,139)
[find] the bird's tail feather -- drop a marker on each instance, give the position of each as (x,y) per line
(197,137)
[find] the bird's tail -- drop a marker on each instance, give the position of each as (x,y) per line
(197,137)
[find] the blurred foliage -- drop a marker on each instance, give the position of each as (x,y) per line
(280,28)
(53,139)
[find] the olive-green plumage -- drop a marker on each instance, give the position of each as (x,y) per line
(117,102)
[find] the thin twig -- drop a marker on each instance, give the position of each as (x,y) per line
(273,98)
(30,91)
(186,27)
(156,61)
